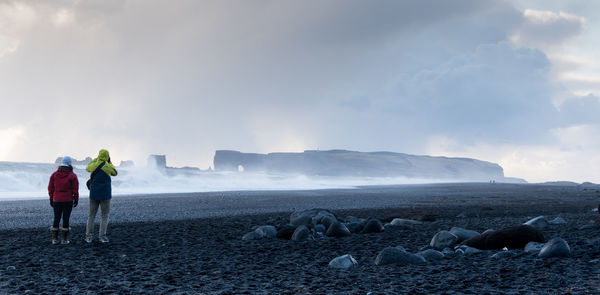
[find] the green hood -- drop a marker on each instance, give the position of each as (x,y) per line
(103,155)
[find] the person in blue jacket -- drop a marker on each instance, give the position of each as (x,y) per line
(100,194)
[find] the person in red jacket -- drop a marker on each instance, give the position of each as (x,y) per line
(64,195)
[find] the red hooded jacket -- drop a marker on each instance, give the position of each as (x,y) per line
(63,186)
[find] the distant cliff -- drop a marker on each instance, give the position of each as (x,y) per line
(359,164)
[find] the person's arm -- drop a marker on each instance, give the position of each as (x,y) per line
(110,169)
(51,187)
(75,188)
(51,190)
(88,167)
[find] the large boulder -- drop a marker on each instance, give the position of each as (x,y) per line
(327,221)
(286,231)
(463,234)
(395,255)
(301,233)
(309,217)
(443,239)
(510,237)
(431,255)
(337,229)
(373,225)
(343,262)
(355,226)
(556,247)
(539,222)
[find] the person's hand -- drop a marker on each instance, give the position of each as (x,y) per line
(51,203)
(75,203)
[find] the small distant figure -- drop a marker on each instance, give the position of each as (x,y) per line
(63,189)
(100,169)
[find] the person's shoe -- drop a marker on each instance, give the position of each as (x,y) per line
(65,235)
(104,239)
(54,232)
(89,240)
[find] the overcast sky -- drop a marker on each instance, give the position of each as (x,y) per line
(511,82)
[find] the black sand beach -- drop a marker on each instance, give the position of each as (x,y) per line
(191,244)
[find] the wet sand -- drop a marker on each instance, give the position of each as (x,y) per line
(191,244)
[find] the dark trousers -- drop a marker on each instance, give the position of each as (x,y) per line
(62,209)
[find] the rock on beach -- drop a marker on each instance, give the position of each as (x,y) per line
(556,247)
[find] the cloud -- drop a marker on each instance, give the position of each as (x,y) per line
(581,110)
(497,92)
(542,29)
(184,79)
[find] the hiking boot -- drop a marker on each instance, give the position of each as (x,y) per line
(104,239)
(54,232)
(65,235)
(89,239)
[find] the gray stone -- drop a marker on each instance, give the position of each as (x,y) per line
(266,231)
(373,225)
(556,247)
(305,217)
(558,220)
(539,222)
(466,250)
(301,220)
(443,239)
(301,233)
(404,222)
(343,262)
(322,215)
(355,227)
(253,235)
(337,229)
(431,255)
(463,234)
(327,221)
(503,254)
(394,255)
(261,232)
(533,247)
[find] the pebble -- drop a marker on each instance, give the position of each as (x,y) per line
(343,262)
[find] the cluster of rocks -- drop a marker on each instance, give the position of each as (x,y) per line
(460,241)
(321,223)
(316,223)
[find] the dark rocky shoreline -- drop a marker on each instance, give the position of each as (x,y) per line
(208,256)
